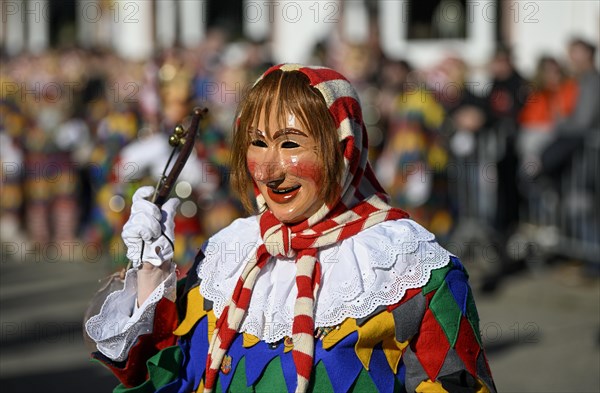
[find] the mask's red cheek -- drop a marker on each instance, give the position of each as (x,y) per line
(310,170)
(252,165)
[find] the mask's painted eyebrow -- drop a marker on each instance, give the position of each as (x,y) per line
(288,130)
(255,132)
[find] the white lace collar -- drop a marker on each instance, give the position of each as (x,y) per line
(373,268)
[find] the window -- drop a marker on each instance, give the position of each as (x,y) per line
(62,22)
(226,15)
(436,19)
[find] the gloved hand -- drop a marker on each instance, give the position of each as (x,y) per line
(150,226)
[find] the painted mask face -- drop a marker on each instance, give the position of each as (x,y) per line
(282,160)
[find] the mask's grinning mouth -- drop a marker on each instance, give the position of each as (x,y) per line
(285,190)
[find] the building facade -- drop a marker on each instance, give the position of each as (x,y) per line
(420,32)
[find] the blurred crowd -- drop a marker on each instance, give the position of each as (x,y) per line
(81,130)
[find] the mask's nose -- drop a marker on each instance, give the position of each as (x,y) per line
(275,182)
(270,170)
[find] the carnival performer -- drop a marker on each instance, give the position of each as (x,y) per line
(325,288)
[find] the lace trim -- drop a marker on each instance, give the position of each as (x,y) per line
(118,325)
(373,268)
(225,253)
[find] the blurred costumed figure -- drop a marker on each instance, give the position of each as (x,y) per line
(12,127)
(118,128)
(412,164)
(51,181)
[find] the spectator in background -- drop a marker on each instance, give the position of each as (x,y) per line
(585,119)
(509,90)
(472,190)
(392,80)
(585,114)
(552,100)
(575,182)
(505,101)
(465,109)
(466,117)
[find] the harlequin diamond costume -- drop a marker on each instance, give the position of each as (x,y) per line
(355,298)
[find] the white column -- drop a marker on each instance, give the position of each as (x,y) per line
(299,25)
(255,19)
(2,21)
(38,25)
(165,23)
(133,29)
(13,17)
(192,22)
(481,22)
(356,22)
(88,15)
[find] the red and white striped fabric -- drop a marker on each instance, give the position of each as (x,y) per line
(362,204)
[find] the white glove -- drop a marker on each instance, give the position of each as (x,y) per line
(151,227)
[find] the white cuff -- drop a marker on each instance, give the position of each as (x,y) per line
(120,322)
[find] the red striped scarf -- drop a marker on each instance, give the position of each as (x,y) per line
(363,203)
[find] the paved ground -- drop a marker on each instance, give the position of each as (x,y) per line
(542,330)
(42,303)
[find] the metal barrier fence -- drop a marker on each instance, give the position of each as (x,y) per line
(473,191)
(559,216)
(572,210)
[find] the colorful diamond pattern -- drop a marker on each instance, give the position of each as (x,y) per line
(351,357)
